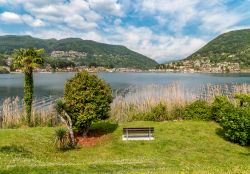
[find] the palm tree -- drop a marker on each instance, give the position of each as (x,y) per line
(27,60)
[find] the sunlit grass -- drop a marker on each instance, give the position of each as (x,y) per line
(181,146)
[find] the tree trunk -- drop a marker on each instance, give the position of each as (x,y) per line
(28,94)
(68,123)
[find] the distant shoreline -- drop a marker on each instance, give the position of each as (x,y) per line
(142,71)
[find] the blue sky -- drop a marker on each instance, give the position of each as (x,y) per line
(161,29)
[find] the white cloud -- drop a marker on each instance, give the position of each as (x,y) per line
(175,15)
(218,21)
(241,27)
(2,2)
(111,7)
(79,22)
(157,46)
(61,33)
(29,20)
(10,17)
(75,13)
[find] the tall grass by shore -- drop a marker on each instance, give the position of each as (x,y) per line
(174,97)
(124,108)
(12,114)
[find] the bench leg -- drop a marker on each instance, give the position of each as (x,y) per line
(127,134)
(149,134)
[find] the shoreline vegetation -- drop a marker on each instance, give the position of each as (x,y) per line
(125,107)
(113,70)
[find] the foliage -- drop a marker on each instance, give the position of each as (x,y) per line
(61,138)
(157,113)
(235,120)
(177,112)
(3,60)
(244,99)
(99,53)
(198,110)
(220,106)
(236,125)
(59,62)
(87,99)
(3,70)
(27,60)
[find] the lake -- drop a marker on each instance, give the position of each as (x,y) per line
(50,85)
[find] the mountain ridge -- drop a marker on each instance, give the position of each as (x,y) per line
(232,46)
(102,54)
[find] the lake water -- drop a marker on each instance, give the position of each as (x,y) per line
(52,84)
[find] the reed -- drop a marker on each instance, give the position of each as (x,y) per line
(12,114)
(173,96)
(126,106)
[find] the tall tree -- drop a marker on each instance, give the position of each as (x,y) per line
(27,60)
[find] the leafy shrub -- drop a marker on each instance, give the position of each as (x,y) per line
(235,120)
(87,99)
(61,138)
(177,112)
(220,107)
(157,113)
(244,99)
(3,70)
(198,110)
(236,125)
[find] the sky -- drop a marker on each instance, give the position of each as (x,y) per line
(161,29)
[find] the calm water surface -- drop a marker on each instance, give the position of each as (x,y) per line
(52,84)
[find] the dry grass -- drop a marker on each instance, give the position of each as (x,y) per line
(173,96)
(136,101)
(13,113)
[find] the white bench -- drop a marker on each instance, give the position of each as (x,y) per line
(138,133)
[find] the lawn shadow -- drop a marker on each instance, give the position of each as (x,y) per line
(20,150)
(220,132)
(102,128)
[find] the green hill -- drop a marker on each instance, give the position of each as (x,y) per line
(97,53)
(233,46)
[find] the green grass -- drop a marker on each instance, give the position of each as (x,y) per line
(179,147)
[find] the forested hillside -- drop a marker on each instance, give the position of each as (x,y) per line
(97,53)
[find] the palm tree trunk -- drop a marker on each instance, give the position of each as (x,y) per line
(28,94)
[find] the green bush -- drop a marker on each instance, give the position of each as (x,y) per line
(157,113)
(198,110)
(3,70)
(235,120)
(236,125)
(87,99)
(177,112)
(220,107)
(244,99)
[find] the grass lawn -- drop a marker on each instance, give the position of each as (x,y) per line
(179,147)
